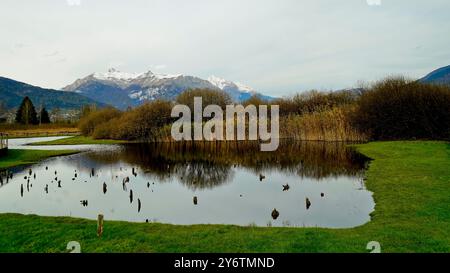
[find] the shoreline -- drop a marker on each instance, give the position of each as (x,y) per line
(411,215)
(19,157)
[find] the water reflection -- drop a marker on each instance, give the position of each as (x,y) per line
(302,184)
(208,164)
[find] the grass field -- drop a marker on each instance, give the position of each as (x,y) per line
(411,185)
(79,140)
(26,157)
(37,131)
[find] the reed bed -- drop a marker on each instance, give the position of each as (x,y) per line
(330,125)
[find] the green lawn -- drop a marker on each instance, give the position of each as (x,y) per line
(26,157)
(411,185)
(79,140)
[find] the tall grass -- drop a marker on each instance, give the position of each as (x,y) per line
(330,125)
(17,126)
(152,122)
(52,129)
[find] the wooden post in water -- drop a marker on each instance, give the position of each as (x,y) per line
(100,225)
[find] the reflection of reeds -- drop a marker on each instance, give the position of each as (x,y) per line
(209,164)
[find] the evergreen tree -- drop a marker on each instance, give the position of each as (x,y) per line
(26,114)
(44,117)
(2,108)
(3,112)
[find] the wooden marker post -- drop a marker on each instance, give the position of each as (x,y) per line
(100,225)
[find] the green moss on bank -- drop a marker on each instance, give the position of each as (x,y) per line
(78,140)
(14,158)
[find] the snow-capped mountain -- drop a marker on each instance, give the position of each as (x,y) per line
(122,89)
(237,91)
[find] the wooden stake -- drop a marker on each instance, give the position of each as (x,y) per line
(100,225)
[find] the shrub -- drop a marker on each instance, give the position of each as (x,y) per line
(397,108)
(314,101)
(209,97)
(141,123)
(106,130)
(255,100)
(93,119)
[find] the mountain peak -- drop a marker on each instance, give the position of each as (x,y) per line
(219,82)
(225,84)
(149,73)
(115,74)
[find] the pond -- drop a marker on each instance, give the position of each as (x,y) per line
(302,184)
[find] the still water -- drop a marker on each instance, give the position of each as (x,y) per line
(308,184)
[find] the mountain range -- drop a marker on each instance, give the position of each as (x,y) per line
(12,93)
(438,76)
(122,89)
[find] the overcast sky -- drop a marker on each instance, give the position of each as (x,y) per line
(277,47)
